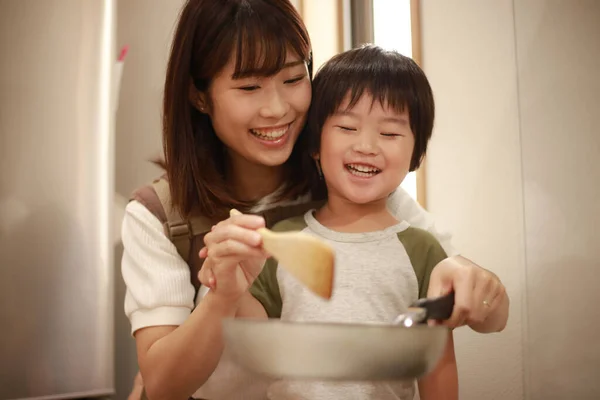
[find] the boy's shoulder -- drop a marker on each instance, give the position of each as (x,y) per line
(424,252)
(413,236)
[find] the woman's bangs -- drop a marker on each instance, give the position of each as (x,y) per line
(262,48)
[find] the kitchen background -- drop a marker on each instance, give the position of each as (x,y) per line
(512,170)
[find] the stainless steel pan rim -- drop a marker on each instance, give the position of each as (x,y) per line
(334,351)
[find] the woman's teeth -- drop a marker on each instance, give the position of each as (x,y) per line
(363,171)
(270,134)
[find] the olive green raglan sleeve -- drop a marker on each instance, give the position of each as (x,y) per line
(265,289)
(424,251)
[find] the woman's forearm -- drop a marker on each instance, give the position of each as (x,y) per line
(249,307)
(176,365)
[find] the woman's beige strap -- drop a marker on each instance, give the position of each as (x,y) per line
(177,229)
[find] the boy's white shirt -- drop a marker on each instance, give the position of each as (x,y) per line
(159,290)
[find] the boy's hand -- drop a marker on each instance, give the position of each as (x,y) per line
(480,298)
(234,256)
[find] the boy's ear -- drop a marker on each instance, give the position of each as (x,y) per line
(198,99)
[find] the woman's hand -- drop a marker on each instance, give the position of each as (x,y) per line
(480,298)
(233,256)
(137,389)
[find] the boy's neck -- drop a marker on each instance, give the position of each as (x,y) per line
(342,215)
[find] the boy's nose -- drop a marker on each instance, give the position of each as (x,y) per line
(365,144)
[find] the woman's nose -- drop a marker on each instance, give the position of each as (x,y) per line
(275,106)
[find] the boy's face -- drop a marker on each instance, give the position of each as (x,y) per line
(365,151)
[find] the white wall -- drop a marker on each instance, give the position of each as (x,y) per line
(474,170)
(516,87)
(558,52)
(322,21)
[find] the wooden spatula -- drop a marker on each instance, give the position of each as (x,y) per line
(307,258)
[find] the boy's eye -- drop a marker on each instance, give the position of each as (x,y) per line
(249,88)
(294,80)
(346,128)
(390,134)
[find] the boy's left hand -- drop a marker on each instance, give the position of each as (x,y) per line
(480,298)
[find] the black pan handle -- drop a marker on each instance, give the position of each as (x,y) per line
(437,308)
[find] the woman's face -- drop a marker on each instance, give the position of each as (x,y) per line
(260,118)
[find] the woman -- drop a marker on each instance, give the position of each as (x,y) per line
(237,92)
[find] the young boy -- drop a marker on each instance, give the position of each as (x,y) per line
(369,125)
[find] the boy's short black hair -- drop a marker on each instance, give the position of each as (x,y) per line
(388,76)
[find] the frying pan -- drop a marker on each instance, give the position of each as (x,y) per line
(405,349)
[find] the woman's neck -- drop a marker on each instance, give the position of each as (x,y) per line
(341,215)
(252,182)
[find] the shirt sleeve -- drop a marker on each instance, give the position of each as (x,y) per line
(424,252)
(404,207)
(159,291)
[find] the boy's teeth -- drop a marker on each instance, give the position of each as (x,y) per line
(362,174)
(270,134)
(362,168)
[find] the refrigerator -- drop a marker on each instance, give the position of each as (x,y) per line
(58,79)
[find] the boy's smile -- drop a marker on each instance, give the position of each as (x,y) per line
(362,170)
(365,151)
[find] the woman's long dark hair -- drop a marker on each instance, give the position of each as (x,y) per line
(259,33)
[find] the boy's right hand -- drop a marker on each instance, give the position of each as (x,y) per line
(233,256)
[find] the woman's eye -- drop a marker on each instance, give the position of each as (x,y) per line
(249,88)
(294,80)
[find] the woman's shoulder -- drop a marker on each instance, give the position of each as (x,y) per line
(151,206)
(144,215)
(149,196)
(399,198)
(139,221)
(159,290)
(156,198)
(145,245)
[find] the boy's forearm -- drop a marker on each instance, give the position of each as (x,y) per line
(442,382)
(439,391)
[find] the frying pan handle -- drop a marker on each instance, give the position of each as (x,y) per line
(437,308)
